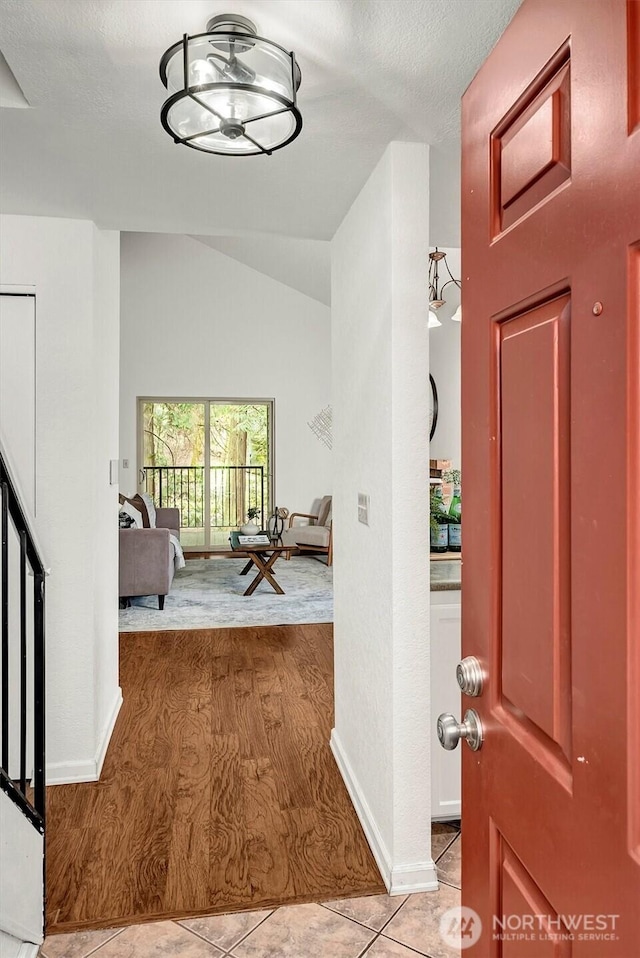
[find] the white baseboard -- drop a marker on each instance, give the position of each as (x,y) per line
(107,731)
(417,876)
(12,947)
(369,825)
(399,879)
(69,773)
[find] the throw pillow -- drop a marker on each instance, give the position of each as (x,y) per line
(138,503)
(125,521)
(130,510)
(151,508)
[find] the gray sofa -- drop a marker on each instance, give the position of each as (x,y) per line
(147,557)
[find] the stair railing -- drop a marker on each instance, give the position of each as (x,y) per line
(22,634)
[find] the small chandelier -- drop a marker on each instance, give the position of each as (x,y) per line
(436,289)
(232,92)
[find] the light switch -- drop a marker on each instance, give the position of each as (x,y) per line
(363,508)
(125,463)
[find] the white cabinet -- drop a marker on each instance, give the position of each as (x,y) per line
(445,697)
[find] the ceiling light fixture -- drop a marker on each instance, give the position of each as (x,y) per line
(436,289)
(232,92)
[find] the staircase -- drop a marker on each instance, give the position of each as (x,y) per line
(22,725)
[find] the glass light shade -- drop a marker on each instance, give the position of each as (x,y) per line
(433,320)
(457,316)
(231,93)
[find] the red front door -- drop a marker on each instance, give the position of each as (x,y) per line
(550,372)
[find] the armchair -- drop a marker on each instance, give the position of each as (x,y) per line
(147,557)
(316,535)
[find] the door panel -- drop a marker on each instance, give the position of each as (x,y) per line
(531,147)
(534,442)
(551,348)
(521,896)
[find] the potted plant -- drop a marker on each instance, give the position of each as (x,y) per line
(251,528)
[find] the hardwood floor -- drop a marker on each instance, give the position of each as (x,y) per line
(218,792)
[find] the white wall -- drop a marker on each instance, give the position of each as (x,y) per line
(198,323)
(106,401)
(380,399)
(74,268)
(21,877)
(444,366)
(17,388)
(445,182)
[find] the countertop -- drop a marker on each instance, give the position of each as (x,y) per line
(446,575)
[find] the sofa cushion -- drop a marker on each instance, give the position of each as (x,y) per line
(307,535)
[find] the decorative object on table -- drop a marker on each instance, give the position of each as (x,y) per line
(275,524)
(231,91)
(438,521)
(433,407)
(322,426)
(251,528)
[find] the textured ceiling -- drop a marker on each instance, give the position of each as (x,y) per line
(91,145)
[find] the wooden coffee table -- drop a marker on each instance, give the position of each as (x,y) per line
(263,557)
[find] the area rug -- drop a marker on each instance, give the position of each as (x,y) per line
(207,594)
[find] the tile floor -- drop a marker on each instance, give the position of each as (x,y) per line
(373,927)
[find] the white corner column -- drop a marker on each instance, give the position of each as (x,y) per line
(73,268)
(381,449)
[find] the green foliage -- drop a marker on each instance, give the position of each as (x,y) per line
(435,508)
(175,436)
(253,513)
(453,476)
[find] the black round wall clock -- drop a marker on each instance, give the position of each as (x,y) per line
(433,408)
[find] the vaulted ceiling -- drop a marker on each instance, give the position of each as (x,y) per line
(91,144)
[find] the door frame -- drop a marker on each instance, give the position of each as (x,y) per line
(206,402)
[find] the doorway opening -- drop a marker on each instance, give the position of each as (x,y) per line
(210,458)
